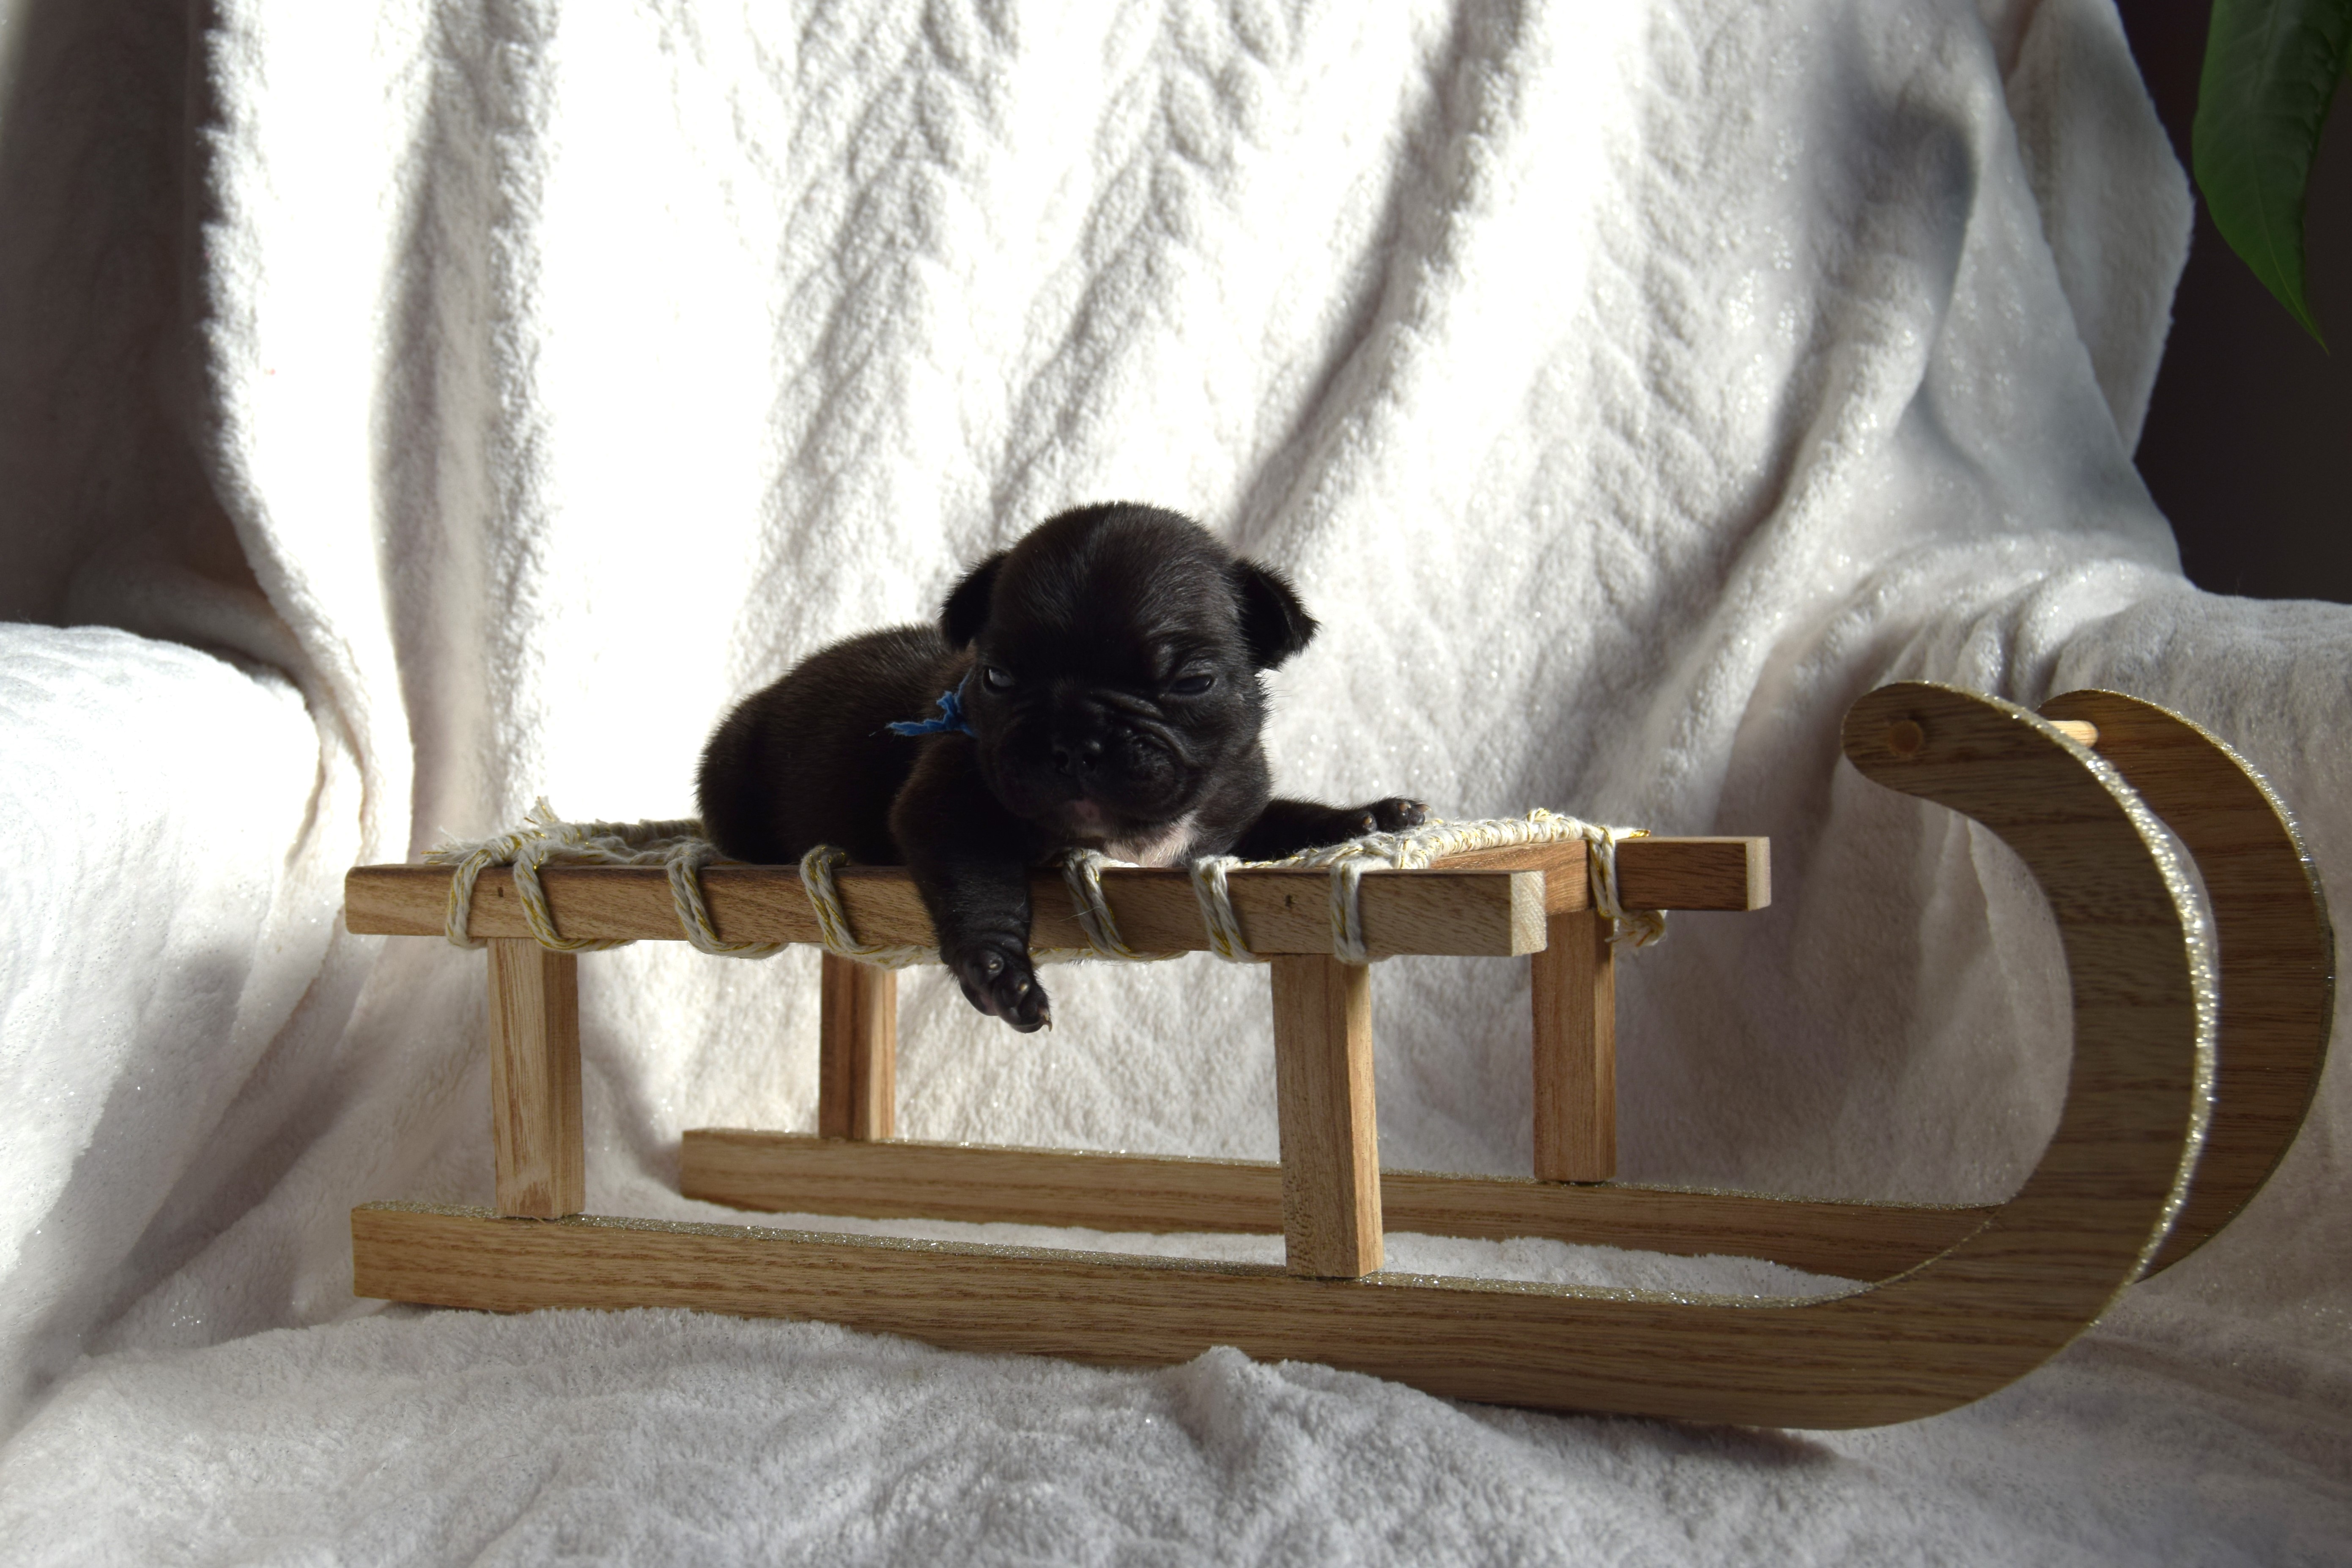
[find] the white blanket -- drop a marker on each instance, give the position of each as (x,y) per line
(1628,387)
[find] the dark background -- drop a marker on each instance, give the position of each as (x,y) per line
(2248,445)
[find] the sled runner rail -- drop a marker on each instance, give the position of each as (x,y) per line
(2277,949)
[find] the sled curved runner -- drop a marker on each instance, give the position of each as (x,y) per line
(1969,1299)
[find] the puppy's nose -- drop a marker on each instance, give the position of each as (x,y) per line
(1076,757)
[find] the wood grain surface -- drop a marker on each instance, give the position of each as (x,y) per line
(857,1049)
(1331,1131)
(536,1143)
(2278,947)
(1572,994)
(1696,874)
(792,1172)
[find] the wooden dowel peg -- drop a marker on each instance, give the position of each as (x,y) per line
(1573,990)
(1906,737)
(535,1132)
(1330,1139)
(858,1050)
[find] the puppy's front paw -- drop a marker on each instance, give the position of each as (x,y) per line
(1394,815)
(1001,982)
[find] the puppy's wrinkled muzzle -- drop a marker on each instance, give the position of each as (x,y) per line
(1084,768)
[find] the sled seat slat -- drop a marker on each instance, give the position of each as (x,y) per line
(1493,903)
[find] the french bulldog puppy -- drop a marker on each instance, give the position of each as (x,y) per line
(1096,684)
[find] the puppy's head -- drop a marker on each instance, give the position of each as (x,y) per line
(1117,652)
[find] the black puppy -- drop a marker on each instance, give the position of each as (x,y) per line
(1102,687)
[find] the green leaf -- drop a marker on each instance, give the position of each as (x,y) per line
(2271,68)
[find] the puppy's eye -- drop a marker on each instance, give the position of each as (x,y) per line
(1194,685)
(996,677)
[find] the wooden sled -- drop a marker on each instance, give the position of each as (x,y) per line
(1963,1299)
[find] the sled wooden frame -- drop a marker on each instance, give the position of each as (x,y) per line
(1964,1301)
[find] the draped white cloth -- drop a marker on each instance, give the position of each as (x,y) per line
(1627,387)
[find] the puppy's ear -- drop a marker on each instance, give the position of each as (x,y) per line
(966,610)
(1273,623)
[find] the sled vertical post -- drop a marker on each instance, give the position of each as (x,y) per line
(535,1131)
(1323,1090)
(858,1050)
(1573,991)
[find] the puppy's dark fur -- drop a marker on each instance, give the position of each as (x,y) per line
(1114,695)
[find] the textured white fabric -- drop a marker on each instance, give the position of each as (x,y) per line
(1627,387)
(168,988)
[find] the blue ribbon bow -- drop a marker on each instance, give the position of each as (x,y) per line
(951,721)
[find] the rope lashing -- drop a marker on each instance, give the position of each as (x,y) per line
(1412,848)
(679,847)
(1082,872)
(832,920)
(1216,901)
